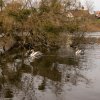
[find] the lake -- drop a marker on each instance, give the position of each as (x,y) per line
(59,75)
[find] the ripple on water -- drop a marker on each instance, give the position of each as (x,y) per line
(55,77)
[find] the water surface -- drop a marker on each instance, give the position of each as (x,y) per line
(59,75)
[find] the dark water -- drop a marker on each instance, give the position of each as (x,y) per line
(60,75)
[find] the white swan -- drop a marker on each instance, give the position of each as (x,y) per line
(36,54)
(78,52)
(32,55)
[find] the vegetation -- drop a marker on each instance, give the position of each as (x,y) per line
(41,24)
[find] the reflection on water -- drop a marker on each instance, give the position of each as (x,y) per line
(59,75)
(93,34)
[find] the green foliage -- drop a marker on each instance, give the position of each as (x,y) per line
(45,23)
(21,15)
(52,28)
(56,6)
(72,28)
(44,8)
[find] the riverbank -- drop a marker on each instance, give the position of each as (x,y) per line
(8,42)
(93,28)
(93,25)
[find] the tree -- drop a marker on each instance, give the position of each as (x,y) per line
(45,21)
(89,5)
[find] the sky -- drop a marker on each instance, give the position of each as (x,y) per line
(96,4)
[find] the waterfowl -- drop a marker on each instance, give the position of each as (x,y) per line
(78,51)
(33,54)
(36,54)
